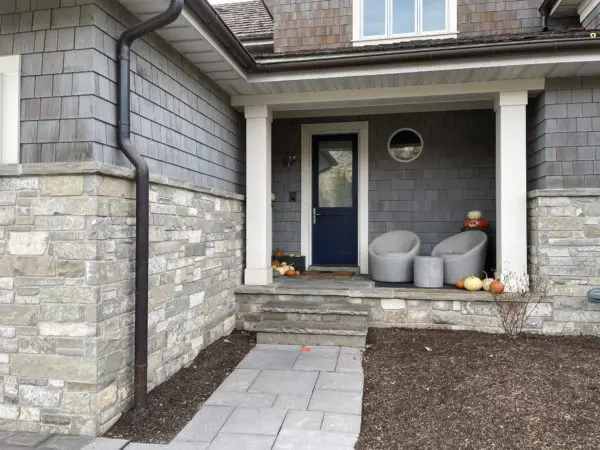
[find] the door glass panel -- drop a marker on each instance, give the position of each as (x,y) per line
(335,174)
(434,15)
(374,18)
(403,20)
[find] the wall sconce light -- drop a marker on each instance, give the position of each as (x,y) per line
(289,160)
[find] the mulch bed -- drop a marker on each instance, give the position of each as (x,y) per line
(174,403)
(477,391)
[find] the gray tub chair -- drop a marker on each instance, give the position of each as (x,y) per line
(392,255)
(463,254)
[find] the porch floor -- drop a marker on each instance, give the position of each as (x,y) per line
(359,286)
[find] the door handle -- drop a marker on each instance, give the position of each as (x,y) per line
(315,214)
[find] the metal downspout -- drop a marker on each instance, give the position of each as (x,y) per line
(142,200)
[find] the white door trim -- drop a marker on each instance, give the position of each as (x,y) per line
(362,130)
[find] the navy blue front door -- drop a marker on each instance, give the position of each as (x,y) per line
(334,214)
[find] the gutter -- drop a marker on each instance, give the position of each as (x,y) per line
(545,11)
(210,18)
(142,195)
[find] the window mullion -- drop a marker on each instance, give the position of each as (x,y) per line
(388,18)
(419,14)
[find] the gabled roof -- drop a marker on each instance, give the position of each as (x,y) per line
(249,20)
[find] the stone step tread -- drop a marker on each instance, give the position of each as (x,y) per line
(306,327)
(317,308)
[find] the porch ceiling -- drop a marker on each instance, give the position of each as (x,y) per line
(190,37)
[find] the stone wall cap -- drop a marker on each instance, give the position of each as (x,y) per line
(575,192)
(78,168)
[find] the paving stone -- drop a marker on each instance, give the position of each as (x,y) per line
(290,401)
(180,445)
(101,443)
(322,350)
(65,443)
(303,420)
(257,399)
(336,381)
(351,351)
(139,446)
(26,439)
(345,423)
(4,435)
(266,359)
(239,380)
(277,347)
(205,425)
(349,364)
(336,402)
(308,361)
(230,441)
(314,440)
(265,421)
(285,382)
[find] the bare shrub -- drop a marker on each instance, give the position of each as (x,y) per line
(522,296)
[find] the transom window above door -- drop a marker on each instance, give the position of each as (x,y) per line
(381,21)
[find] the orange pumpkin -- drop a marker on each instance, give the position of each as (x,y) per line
(496,287)
(476,224)
(276,263)
(290,273)
(278,253)
(460,284)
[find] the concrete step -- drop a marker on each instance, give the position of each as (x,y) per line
(342,309)
(311,333)
(306,327)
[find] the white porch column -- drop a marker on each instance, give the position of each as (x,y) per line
(259,223)
(511,182)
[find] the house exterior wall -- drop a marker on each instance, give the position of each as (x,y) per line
(311,25)
(563,135)
(67,297)
(429,196)
(181,121)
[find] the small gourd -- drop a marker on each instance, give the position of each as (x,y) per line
(278,253)
(282,269)
(496,287)
(473,284)
(486,282)
(460,284)
(276,273)
(290,272)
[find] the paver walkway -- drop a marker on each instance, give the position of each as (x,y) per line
(284,397)
(279,397)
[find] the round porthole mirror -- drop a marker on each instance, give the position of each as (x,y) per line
(405,145)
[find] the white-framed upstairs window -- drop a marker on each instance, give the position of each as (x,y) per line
(383,21)
(10,118)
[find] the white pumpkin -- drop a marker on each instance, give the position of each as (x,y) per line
(474,215)
(282,269)
(473,284)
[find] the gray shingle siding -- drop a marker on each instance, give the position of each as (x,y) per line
(564,135)
(592,21)
(430,196)
(181,121)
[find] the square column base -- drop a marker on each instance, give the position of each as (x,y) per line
(258,277)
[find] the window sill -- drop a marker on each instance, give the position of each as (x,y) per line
(394,40)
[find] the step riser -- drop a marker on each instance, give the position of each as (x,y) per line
(300,317)
(310,339)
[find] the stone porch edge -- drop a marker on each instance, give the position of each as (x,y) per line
(378,293)
(573,192)
(96,168)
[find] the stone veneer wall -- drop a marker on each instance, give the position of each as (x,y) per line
(66,289)
(564,246)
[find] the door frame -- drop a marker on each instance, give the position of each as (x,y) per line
(307,132)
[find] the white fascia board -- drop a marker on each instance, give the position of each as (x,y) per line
(420,67)
(191,18)
(435,90)
(10,116)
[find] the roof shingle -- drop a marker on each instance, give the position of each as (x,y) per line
(248,20)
